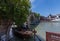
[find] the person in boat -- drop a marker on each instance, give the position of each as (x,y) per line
(25,26)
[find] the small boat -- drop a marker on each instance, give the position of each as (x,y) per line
(24,33)
(56,20)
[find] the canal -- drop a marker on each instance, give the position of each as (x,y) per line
(41,29)
(44,27)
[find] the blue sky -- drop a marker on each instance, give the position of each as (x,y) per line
(45,7)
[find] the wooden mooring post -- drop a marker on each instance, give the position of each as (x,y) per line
(34,34)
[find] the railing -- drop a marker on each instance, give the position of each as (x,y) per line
(51,36)
(35,36)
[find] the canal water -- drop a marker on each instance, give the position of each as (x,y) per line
(44,27)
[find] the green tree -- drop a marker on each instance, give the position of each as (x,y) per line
(37,15)
(15,10)
(6,10)
(21,12)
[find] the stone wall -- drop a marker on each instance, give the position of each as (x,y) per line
(4,25)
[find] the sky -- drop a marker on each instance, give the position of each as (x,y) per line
(46,7)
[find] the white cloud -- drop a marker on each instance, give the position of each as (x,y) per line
(32,1)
